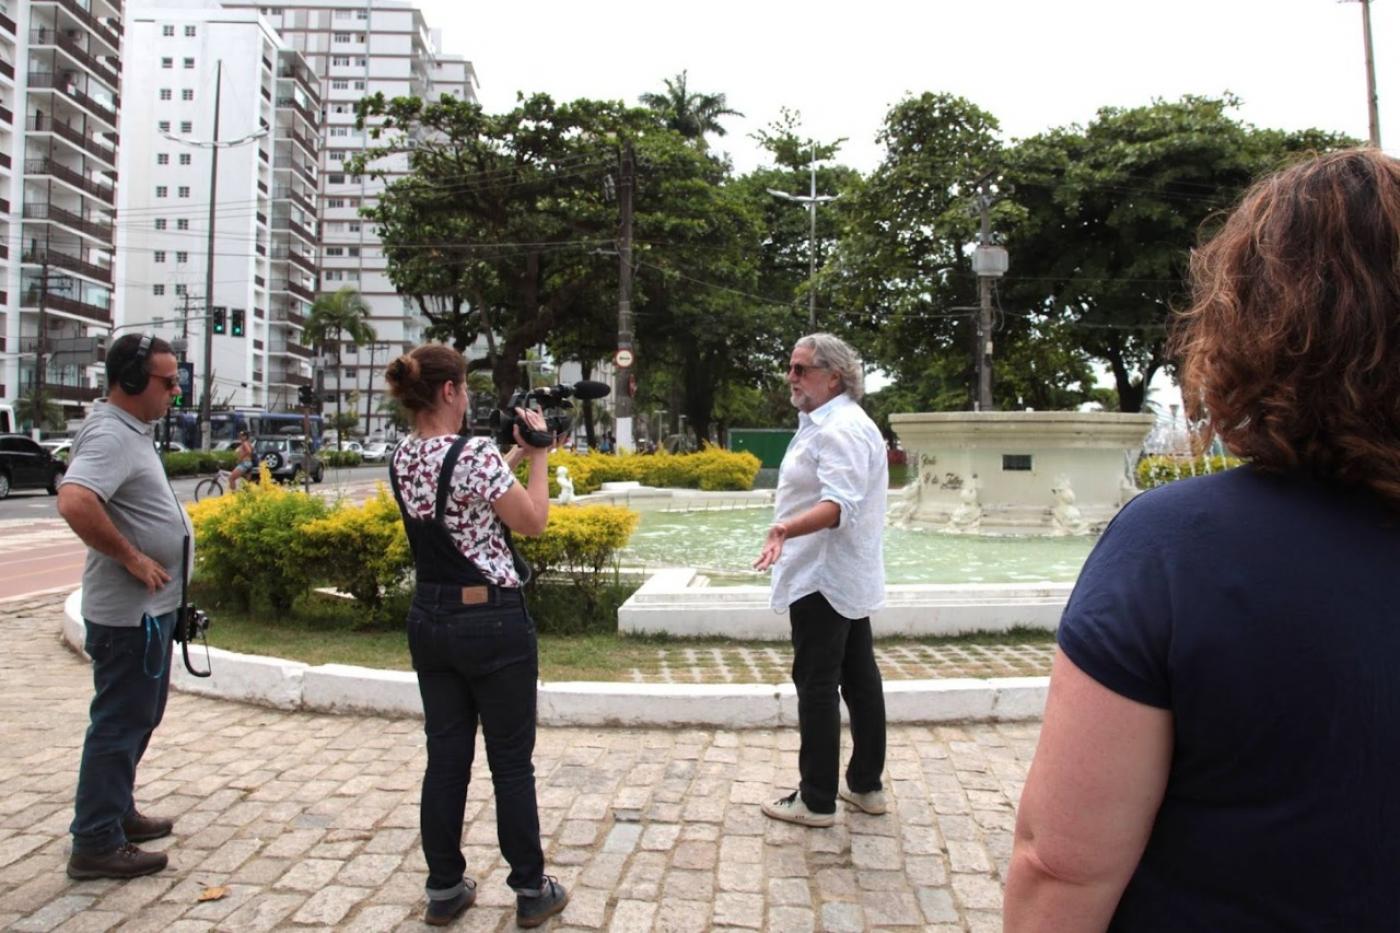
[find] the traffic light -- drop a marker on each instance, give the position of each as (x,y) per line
(307,398)
(237,322)
(220,316)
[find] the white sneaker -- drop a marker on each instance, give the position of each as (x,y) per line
(791,809)
(872,803)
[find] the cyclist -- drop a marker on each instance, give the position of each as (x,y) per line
(245,461)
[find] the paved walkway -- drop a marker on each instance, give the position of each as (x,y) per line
(309,822)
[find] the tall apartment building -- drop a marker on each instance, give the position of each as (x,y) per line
(60,64)
(264,244)
(375,46)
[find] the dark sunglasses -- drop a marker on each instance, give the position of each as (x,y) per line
(171,382)
(801,369)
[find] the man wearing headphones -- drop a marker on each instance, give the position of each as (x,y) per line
(116,498)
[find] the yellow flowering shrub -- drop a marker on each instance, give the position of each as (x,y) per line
(712,468)
(359,549)
(1157,470)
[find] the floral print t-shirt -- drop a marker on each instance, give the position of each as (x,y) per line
(479,479)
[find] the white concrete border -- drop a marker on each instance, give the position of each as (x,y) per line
(342,688)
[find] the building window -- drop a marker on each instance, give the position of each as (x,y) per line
(179,289)
(160,223)
(335,202)
(162,191)
(331,275)
(335,155)
(353,226)
(341,85)
(341,60)
(342,37)
(182,256)
(163,126)
(185,158)
(184,191)
(352,250)
(340,131)
(342,14)
(1016,462)
(159,255)
(167,63)
(158,289)
(165,93)
(359,85)
(187,94)
(186,126)
(334,251)
(167,30)
(182,223)
(361,14)
(189,32)
(189,63)
(162,158)
(335,180)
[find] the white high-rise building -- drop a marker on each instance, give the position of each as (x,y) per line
(60,64)
(375,46)
(264,244)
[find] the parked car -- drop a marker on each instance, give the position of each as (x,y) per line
(376,452)
(26,465)
(287,456)
(59,447)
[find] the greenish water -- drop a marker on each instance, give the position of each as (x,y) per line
(727,542)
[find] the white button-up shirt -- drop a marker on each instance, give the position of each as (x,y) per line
(837,455)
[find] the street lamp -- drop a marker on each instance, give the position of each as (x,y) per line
(811,200)
(213,145)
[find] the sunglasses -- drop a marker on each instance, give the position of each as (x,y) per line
(800,370)
(171,382)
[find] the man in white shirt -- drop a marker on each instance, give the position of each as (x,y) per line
(826,551)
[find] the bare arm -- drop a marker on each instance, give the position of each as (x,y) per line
(1088,806)
(525,509)
(83,511)
(825,514)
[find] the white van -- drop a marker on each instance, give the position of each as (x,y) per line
(8,425)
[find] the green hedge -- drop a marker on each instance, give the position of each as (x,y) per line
(712,469)
(339,458)
(1157,470)
(199,462)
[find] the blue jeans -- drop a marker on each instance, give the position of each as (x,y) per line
(832,652)
(127,705)
(477,662)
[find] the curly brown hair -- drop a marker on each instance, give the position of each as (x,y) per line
(415,377)
(1290,350)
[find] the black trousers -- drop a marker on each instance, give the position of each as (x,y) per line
(832,652)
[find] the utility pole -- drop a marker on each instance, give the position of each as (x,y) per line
(625,357)
(1372,103)
(989,262)
(205,418)
(811,200)
(41,349)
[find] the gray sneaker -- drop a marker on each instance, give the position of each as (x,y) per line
(791,809)
(535,908)
(872,802)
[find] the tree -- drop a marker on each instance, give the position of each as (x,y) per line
(334,317)
(37,407)
(691,114)
(1109,213)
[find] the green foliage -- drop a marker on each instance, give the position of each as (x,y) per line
(339,458)
(361,550)
(557,610)
(198,462)
(712,469)
(578,543)
(40,407)
(1159,470)
(248,542)
(690,113)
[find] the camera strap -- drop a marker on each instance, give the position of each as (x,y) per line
(185,628)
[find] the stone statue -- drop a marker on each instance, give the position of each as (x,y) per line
(1065,517)
(966,518)
(902,505)
(566,485)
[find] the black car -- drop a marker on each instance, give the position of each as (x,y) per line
(287,457)
(26,465)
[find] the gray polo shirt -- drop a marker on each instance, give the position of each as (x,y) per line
(114,455)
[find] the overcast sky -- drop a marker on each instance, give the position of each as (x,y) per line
(1034,64)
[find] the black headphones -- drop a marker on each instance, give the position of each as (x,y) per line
(134,376)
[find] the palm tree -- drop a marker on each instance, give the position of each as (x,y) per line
(691,115)
(334,317)
(38,408)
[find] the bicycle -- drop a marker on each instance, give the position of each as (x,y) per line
(212,486)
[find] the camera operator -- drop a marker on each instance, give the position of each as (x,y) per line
(471,638)
(116,498)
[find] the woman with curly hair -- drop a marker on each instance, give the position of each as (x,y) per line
(1219,749)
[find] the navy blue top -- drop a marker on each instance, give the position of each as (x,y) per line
(1264,612)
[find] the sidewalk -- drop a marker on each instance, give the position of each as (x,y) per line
(310,821)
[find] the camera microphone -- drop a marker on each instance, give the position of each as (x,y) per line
(587,388)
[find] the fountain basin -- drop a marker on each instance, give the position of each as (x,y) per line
(1019,472)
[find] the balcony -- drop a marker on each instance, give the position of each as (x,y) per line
(307,144)
(8,25)
(305,114)
(55,302)
(7,70)
(48,80)
(67,393)
(5,160)
(77,180)
(296,228)
(4,254)
(7,115)
(288,317)
(70,263)
(90,146)
(75,51)
(73,221)
(99,28)
(288,193)
(290,379)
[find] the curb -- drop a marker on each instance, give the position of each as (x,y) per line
(344,688)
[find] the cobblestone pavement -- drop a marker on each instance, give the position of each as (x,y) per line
(309,822)
(898,660)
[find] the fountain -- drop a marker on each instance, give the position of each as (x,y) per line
(1018,472)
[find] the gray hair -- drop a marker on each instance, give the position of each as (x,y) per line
(840,357)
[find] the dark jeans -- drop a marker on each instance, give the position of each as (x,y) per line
(479,661)
(127,705)
(831,651)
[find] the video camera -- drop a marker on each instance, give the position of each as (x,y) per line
(551,401)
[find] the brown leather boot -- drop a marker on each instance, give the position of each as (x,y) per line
(123,862)
(140,828)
